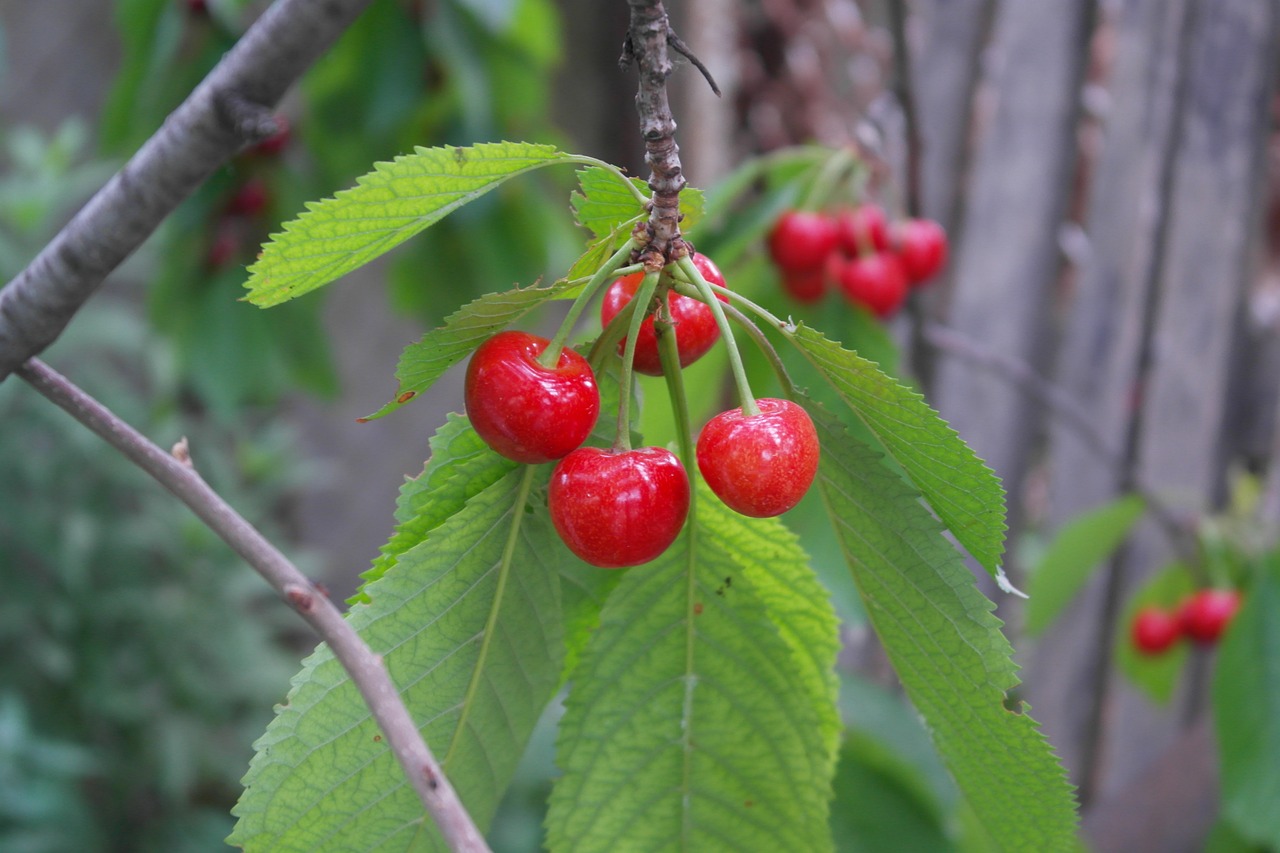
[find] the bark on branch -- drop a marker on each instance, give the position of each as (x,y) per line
(175,472)
(228,110)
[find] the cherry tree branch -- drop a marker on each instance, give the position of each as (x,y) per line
(229,109)
(175,472)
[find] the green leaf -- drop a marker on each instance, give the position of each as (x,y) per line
(425,361)
(702,715)
(1246,713)
(386,207)
(959,486)
(1155,675)
(879,807)
(604,206)
(945,645)
(461,466)
(1079,547)
(475,679)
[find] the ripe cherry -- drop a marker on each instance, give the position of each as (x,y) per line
(523,410)
(695,325)
(619,508)
(801,241)
(862,230)
(250,199)
(807,286)
(759,465)
(877,282)
(1208,612)
(921,245)
(1155,630)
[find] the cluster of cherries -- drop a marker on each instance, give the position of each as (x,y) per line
(1201,617)
(617,507)
(857,251)
(246,203)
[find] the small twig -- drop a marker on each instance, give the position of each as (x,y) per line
(364,667)
(228,110)
(677,44)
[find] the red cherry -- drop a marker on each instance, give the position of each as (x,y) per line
(877,282)
(198,8)
(801,241)
(276,142)
(616,509)
(1154,630)
(862,230)
(695,325)
(807,286)
(225,246)
(1207,613)
(759,465)
(921,245)
(523,410)
(250,199)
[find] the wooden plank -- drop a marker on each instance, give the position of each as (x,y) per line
(1008,261)
(1204,273)
(1102,345)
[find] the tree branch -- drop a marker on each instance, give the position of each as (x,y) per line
(905,93)
(175,472)
(228,110)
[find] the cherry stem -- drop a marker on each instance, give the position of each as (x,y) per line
(622,441)
(707,295)
(551,354)
(613,170)
(669,353)
(765,346)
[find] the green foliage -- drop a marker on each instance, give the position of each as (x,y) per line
(386,207)
(1246,711)
(1155,675)
(959,487)
(1077,549)
(945,645)
(701,716)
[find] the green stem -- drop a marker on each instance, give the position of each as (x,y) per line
(610,267)
(707,295)
(616,172)
(828,178)
(622,441)
(669,353)
(763,343)
(687,289)
(504,572)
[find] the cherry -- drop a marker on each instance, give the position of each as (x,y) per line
(523,410)
(875,281)
(1207,613)
(695,325)
(862,230)
(806,286)
(921,245)
(225,246)
(619,508)
(1155,630)
(197,7)
(250,199)
(800,241)
(759,465)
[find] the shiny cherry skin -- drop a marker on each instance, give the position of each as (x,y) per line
(619,508)
(876,282)
(807,286)
(862,230)
(1154,630)
(523,410)
(759,465)
(1207,613)
(800,241)
(921,245)
(695,325)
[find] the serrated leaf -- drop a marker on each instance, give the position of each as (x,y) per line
(945,646)
(461,466)
(958,485)
(386,207)
(1246,714)
(425,361)
(1077,549)
(603,206)
(323,779)
(694,723)
(1155,675)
